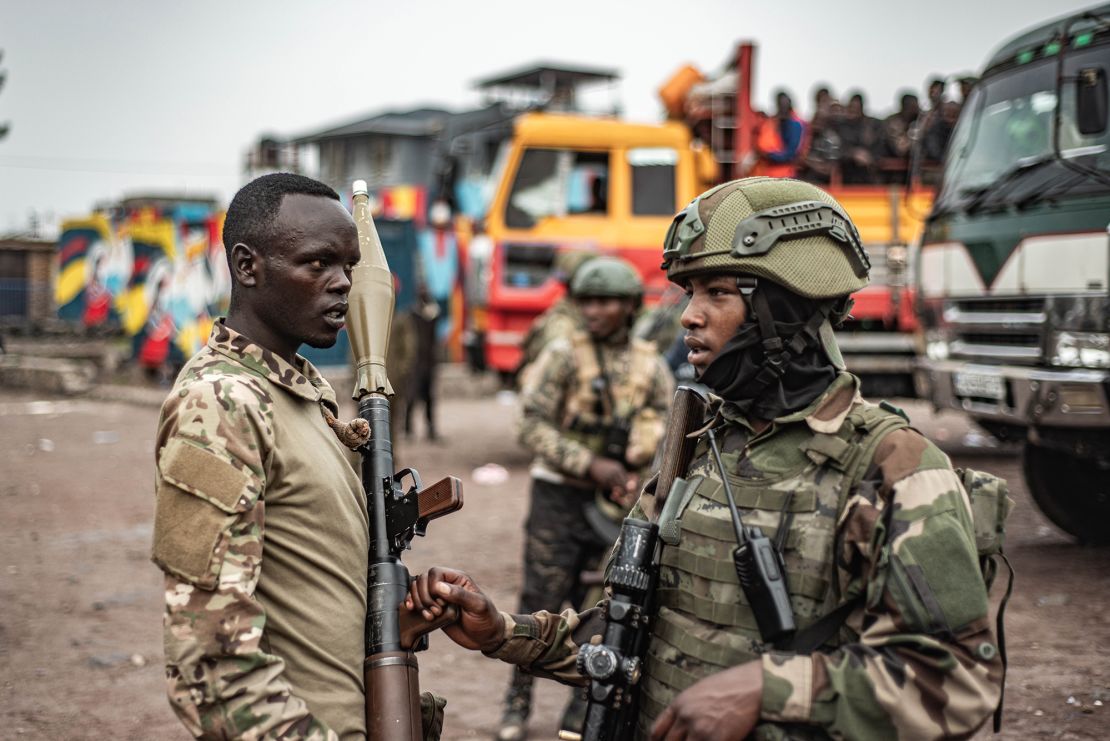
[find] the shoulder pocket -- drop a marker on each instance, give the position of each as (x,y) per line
(990,506)
(936,577)
(198,498)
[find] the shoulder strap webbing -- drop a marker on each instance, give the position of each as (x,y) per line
(810,638)
(641,373)
(872,424)
(1001,629)
(586,370)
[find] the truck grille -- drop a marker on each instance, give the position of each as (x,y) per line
(1004,329)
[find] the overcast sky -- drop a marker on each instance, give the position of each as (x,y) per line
(107,97)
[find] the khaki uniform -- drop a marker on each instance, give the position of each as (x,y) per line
(916,659)
(263,635)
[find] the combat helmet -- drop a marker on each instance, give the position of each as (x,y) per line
(607,276)
(786,231)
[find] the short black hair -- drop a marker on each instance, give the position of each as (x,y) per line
(250,217)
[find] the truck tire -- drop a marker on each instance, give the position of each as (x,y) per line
(1072,491)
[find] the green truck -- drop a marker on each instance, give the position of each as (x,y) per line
(1013,273)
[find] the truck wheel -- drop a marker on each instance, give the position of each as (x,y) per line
(1072,491)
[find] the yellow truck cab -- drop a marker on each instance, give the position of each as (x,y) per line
(571,182)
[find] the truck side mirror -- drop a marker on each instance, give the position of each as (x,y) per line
(1091,100)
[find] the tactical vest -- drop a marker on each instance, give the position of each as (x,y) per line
(630,394)
(795,479)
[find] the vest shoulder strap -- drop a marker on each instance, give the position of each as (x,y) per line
(642,371)
(586,368)
(852,447)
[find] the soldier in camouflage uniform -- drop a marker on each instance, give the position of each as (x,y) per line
(584,390)
(874,526)
(560,320)
(264,637)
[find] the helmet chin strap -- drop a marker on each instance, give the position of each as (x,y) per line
(777,353)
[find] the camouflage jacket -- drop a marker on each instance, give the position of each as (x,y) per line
(260,642)
(557,404)
(916,659)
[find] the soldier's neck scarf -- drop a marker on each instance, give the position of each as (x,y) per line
(732,374)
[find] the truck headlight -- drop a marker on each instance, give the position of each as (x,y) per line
(1081,349)
(936,345)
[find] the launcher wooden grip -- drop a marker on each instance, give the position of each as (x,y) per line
(441,498)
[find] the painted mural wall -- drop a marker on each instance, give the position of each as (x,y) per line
(158,275)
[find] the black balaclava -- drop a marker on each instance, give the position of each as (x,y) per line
(733,373)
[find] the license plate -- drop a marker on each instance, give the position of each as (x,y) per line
(980,385)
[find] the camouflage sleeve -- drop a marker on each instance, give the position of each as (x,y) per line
(924,663)
(541,406)
(208,539)
(546,644)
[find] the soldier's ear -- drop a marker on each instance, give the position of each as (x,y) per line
(246,265)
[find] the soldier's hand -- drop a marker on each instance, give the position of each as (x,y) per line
(626,495)
(480,625)
(608,473)
(722,707)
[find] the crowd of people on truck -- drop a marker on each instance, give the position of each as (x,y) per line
(844,144)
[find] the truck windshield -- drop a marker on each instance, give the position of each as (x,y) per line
(558,182)
(1007,127)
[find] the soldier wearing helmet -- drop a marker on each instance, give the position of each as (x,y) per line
(873,527)
(592,410)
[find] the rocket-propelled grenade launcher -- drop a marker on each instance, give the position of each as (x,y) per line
(393,634)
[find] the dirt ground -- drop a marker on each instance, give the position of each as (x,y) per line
(80,603)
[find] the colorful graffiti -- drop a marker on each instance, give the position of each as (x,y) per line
(157,274)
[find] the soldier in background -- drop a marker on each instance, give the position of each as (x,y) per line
(423,318)
(399,364)
(561,319)
(593,410)
(873,525)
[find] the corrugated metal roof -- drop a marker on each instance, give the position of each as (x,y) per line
(414,122)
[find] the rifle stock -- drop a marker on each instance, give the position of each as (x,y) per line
(687,416)
(393,634)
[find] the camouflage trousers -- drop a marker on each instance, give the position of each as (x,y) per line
(559,545)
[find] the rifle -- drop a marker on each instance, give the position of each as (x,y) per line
(393,634)
(615,666)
